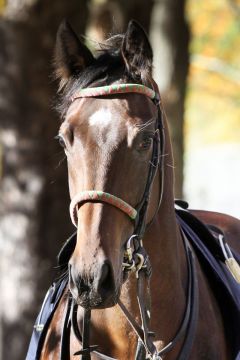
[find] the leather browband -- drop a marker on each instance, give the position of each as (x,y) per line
(115,89)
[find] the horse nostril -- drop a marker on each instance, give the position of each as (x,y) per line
(105,280)
(78,282)
(94,289)
(82,286)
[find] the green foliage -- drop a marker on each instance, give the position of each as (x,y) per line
(212,107)
(215,28)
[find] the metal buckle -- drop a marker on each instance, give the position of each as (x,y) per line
(230,261)
(39,327)
(134,260)
(129,263)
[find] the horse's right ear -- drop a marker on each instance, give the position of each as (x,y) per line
(137,52)
(71,55)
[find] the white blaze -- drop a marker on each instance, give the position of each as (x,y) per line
(105,127)
(101,118)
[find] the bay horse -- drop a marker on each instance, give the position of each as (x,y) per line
(131,267)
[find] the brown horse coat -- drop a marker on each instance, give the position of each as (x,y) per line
(103,139)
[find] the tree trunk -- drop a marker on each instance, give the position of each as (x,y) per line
(170,39)
(111,16)
(34,218)
(139,10)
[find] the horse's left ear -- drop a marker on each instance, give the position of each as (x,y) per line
(137,51)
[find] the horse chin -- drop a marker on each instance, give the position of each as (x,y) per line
(95,301)
(92,300)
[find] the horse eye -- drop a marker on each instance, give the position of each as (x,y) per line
(61,140)
(145,144)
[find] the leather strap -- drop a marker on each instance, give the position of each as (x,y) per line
(86,334)
(189,323)
(140,351)
(115,89)
(143,296)
(65,336)
(193,317)
(86,348)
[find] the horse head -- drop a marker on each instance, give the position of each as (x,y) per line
(109,142)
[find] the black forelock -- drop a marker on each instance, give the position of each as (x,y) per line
(107,68)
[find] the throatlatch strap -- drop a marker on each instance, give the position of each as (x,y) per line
(101,196)
(115,89)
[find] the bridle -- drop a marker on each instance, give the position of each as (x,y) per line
(135,257)
(137,214)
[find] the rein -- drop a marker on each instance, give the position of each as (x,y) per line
(135,257)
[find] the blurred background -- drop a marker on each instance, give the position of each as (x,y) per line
(196,57)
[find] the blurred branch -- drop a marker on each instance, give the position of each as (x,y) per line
(1,164)
(216,65)
(235,6)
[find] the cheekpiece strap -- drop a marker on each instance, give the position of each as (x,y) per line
(101,196)
(115,89)
(94,195)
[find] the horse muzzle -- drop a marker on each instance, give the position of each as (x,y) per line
(95,290)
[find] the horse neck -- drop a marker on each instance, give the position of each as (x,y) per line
(163,239)
(164,246)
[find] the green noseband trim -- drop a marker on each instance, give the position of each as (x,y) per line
(101,196)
